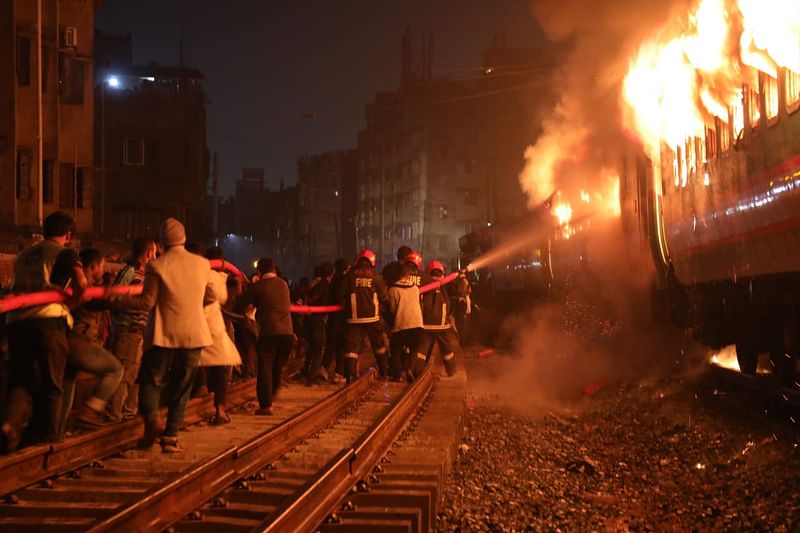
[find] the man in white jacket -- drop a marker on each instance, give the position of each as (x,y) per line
(177,285)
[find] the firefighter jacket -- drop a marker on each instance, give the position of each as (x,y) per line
(436,310)
(404,304)
(364,292)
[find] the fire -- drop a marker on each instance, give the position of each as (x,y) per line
(726,358)
(698,68)
(563,212)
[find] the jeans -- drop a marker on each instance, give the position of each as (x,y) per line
(127,347)
(273,352)
(88,356)
(37,359)
(173,368)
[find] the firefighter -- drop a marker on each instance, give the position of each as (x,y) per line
(365,291)
(436,316)
(404,306)
(462,307)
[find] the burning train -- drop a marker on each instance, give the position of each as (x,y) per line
(718,196)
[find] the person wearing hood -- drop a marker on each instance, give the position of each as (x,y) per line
(404,305)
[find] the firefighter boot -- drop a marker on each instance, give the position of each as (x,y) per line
(350,369)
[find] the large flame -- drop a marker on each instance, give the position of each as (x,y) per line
(699,68)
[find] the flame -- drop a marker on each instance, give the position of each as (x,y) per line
(563,212)
(726,358)
(696,69)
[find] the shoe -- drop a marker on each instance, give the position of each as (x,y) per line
(152,430)
(298,377)
(9,438)
(265,411)
(171,445)
(336,379)
(86,417)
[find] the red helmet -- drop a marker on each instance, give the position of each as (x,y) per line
(415,258)
(369,255)
(435,265)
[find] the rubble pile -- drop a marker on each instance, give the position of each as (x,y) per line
(661,455)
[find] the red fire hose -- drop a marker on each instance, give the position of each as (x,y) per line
(17,301)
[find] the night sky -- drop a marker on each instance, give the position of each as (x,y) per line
(268,63)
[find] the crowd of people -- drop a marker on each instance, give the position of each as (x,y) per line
(190,329)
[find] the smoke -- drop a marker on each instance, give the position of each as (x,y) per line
(583,133)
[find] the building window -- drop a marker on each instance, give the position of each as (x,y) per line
(72,186)
(48,181)
(132,151)
(24,163)
(23,61)
(753,107)
(70,78)
(771,104)
(792,90)
(406,234)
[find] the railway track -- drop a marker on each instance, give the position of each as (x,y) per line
(254,474)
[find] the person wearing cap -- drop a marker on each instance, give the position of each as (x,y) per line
(436,318)
(403,305)
(270,296)
(177,287)
(363,292)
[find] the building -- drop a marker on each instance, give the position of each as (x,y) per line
(326,206)
(37,178)
(150,145)
(258,222)
(439,158)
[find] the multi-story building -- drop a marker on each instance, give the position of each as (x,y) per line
(439,158)
(150,145)
(258,222)
(47,103)
(326,206)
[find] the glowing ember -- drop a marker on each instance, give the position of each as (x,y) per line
(726,358)
(693,70)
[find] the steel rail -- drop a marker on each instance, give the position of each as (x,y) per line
(320,495)
(168,503)
(36,463)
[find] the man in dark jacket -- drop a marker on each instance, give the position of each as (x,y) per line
(364,292)
(270,296)
(335,329)
(319,294)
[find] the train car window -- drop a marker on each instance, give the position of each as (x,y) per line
(753,107)
(771,104)
(737,119)
(691,158)
(792,90)
(711,142)
(724,129)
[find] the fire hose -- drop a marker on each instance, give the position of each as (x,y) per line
(18,301)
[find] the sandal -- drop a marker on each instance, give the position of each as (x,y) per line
(220,421)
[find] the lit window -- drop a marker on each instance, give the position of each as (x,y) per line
(737,117)
(691,158)
(792,90)
(724,135)
(132,151)
(770,96)
(753,107)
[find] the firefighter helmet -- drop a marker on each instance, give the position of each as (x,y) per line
(369,255)
(415,258)
(435,265)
